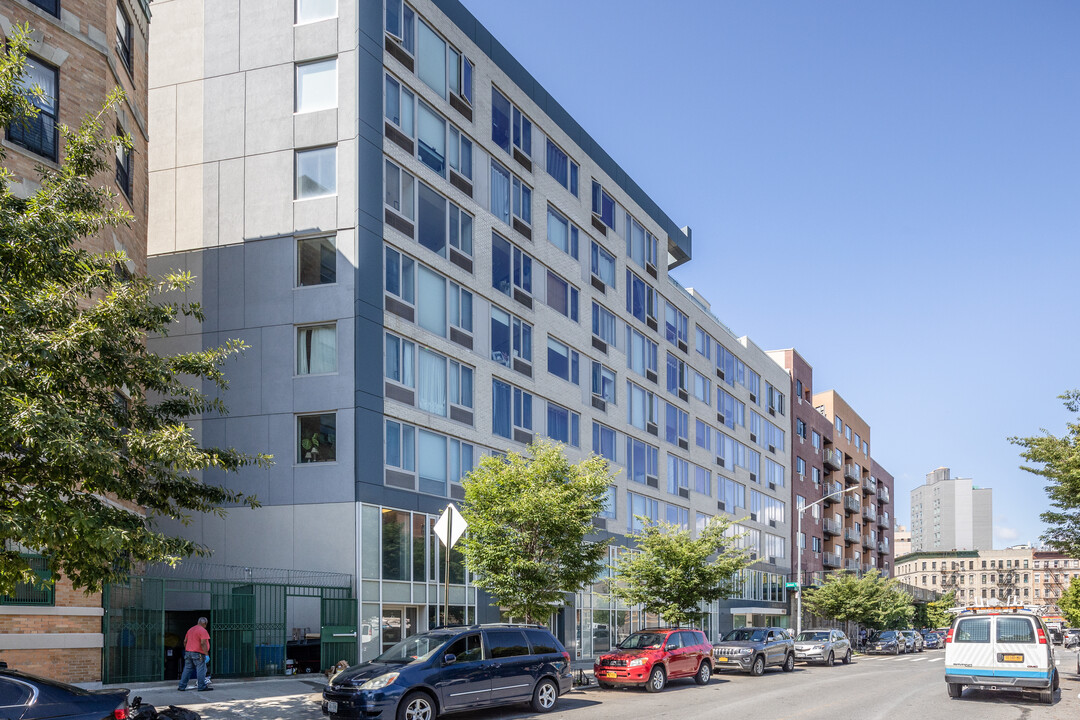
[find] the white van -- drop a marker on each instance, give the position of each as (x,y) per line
(1000,649)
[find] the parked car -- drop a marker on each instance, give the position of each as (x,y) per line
(886,642)
(752,649)
(823,646)
(652,658)
(1072,637)
(934,641)
(915,642)
(997,650)
(451,669)
(30,697)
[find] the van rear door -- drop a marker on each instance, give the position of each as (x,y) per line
(1018,652)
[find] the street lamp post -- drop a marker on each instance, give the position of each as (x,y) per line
(799,549)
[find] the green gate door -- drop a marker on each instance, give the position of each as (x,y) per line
(133,628)
(338,632)
(232,630)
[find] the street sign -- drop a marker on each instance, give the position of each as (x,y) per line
(450,526)
(792,586)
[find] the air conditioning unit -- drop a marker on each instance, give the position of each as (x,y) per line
(772,486)
(753,398)
(684,492)
(772,560)
(772,448)
(719,373)
(753,516)
(721,419)
(753,556)
(772,411)
(772,523)
(721,505)
(720,461)
(753,477)
(753,437)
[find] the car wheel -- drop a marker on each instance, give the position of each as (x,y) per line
(657,679)
(847,657)
(758,668)
(416,706)
(1046,697)
(829,661)
(789,663)
(545,696)
(1055,684)
(604,685)
(955,690)
(704,673)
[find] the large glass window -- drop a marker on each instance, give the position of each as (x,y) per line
(678,474)
(316,172)
(316,261)
(562,233)
(460,153)
(317,438)
(400,23)
(676,425)
(522,200)
(400,190)
(509,265)
(604,442)
(641,298)
(316,86)
(399,105)
(603,205)
(400,274)
(642,460)
(562,168)
(431,308)
(511,337)
(676,325)
(641,352)
(603,265)
(431,220)
(562,361)
(642,406)
(562,297)
(431,59)
(603,382)
(399,360)
(642,510)
(603,324)
(38,134)
(511,409)
(500,192)
(312,10)
(461,230)
(316,350)
(431,138)
(432,462)
(676,375)
(431,383)
(500,120)
(641,245)
(396,556)
(702,480)
(563,425)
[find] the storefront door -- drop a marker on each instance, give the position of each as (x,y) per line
(398,623)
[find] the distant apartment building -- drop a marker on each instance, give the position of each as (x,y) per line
(901,540)
(79,51)
(950,513)
(1054,572)
(851,528)
(977,577)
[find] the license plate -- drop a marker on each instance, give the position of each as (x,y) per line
(721,659)
(331,706)
(611,674)
(1012,658)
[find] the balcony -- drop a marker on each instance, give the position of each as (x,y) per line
(831,527)
(830,560)
(869,486)
(851,535)
(852,565)
(868,542)
(868,513)
(883,548)
(883,520)
(851,504)
(851,474)
(830,491)
(883,494)
(867,567)
(833,459)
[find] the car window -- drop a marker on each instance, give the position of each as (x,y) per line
(642,641)
(745,634)
(467,648)
(543,643)
(674,641)
(1015,630)
(699,638)
(506,643)
(771,637)
(972,630)
(13,693)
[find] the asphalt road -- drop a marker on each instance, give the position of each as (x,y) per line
(909,687)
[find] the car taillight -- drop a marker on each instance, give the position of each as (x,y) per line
(1042,636)
(948,637)
(121,712)
(566,656)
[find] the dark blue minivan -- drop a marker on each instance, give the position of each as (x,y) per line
(451,669)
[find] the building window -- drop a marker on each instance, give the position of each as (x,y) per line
(522,200)
(316,172)
(702,480)
(676,375)
(32,593)
(800,466)
(460,152)
(703,342)
(509,125)
(603,205)
(702,434)
(562,168)
(642,409)
(562,362)
(317,438)
(642,510)
(399,105)
(800,428)
(38,134)
(641,352)
(431,306)
(401,24)
(610,501)
(641,298)
(563,425)
(50,6)
(123,36)
(460,307)
(400,191)
(562,233)
(400,276)
(562,297)
(511,337)
(123,164)
(500,192)
(316,350)
(676,325)
(602,265)
(511,409)
(603,324)
(676,425)
(642,461)
(604,442)
(313,10)
(440,222)
(641,245)
(603,382)
(399,360)
(431,138)
(677,516)
(510,267)
(702,388)
(316,261)
(776,400)
(316,87)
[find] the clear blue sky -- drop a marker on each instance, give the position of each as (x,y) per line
(891,188)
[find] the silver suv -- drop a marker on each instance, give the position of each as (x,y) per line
(823,646)
(752,649)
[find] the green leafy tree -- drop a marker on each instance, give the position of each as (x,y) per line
(671,573)
(1069,603)
(937,612)
(871,600)
(1058,460)
(528,518)
(92,423)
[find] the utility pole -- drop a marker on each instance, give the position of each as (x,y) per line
(799,549)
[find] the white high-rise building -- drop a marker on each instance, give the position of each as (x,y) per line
(950,513)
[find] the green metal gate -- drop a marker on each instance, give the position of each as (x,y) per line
(133,626)
(338,633)
(232,630)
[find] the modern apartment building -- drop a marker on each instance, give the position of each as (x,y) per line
(851,527)
(431,261)
(976,577)
(80,50)
(951,513)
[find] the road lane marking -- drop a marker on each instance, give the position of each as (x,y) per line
(918,659)
(936,659)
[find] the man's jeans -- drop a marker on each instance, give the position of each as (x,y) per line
(194,664)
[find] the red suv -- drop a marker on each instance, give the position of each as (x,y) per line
(652,657)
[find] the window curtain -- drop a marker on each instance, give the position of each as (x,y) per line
(432,462)
(556,163)
(432,302)
(317,350)
(558,231)
(431,388)
(38,76)
(500,192)
(558,423)
(500,408)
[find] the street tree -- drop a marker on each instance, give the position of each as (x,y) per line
(1058,460)
(671,573)
(870,600)
(94,439)
(937,611)
(1069,603)
(529,518)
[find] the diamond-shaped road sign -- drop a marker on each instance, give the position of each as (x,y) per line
(452,521)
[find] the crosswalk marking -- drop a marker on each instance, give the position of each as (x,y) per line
(936,659)
(917,659)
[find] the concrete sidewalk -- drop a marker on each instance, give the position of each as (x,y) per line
(284,698)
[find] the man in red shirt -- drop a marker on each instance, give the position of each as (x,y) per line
(196,653)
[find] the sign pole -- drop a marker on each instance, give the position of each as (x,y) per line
(446,588)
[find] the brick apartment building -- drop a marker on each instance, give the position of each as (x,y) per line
(80,51)
(849,529)
(976,577)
